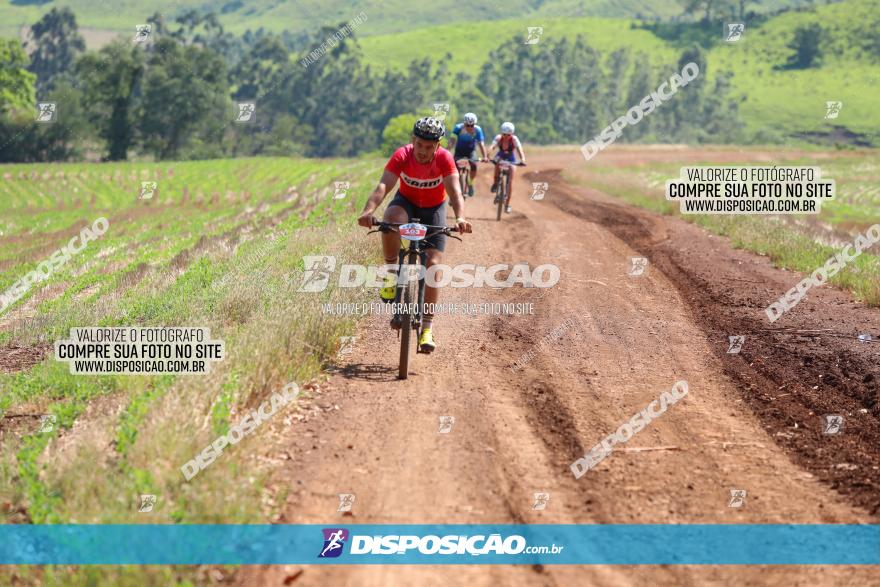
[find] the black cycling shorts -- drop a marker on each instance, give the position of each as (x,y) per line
(435,215)
(472,157)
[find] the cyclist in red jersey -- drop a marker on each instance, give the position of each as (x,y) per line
(427,173)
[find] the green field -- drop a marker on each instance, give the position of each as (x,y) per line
(220,245)
(794,242)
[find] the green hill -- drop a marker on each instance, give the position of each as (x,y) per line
(307,15)
(469,51)
(781,103)
(794,100)
(777,104)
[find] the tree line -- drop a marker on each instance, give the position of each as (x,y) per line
(175,95)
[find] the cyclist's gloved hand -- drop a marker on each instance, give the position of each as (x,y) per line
(463,225)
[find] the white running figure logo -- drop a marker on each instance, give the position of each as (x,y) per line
(833,424)
(737,498)
(335,542)
(541,499)
(346,500)
(539,190)
(446,423)
(832,109)
(533,36)
(46,112)
(736,343)
(638,265)
(735,31)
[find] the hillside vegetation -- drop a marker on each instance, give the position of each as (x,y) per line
(303,16)
(777,104)
(339,98)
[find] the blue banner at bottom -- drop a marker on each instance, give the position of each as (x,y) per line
(625,544)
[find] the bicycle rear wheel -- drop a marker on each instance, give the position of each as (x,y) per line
(408,299)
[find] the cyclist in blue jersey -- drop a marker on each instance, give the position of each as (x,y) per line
(465,138)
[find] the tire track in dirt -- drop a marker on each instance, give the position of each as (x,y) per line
(515,433)
(794,373)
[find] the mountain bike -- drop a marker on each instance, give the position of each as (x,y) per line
(502,194)
(409,300)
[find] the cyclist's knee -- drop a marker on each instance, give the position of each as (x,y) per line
(395,214)
(433,257)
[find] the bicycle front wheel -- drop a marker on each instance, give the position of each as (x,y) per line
(502,196)
(408,299)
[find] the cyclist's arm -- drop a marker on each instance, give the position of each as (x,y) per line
(483,149)
(385,185)
(450,143)
(454,190)
(493,146)
(518,146)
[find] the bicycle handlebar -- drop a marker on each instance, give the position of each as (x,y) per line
(518,163)
(387,226)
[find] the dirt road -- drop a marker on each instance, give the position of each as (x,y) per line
(625,339)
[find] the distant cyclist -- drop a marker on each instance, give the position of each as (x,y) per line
(427,173)
(509,148)
(465,138)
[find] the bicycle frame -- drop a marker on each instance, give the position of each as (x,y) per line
(408,256)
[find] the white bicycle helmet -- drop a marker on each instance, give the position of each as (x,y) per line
(470,118)
(507,128)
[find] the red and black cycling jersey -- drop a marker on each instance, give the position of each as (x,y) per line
(507,145)
(422,184)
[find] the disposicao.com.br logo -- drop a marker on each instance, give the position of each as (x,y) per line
(430,544)
(334,541)
(318,270)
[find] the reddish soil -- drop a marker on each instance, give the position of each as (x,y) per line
(751,421)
